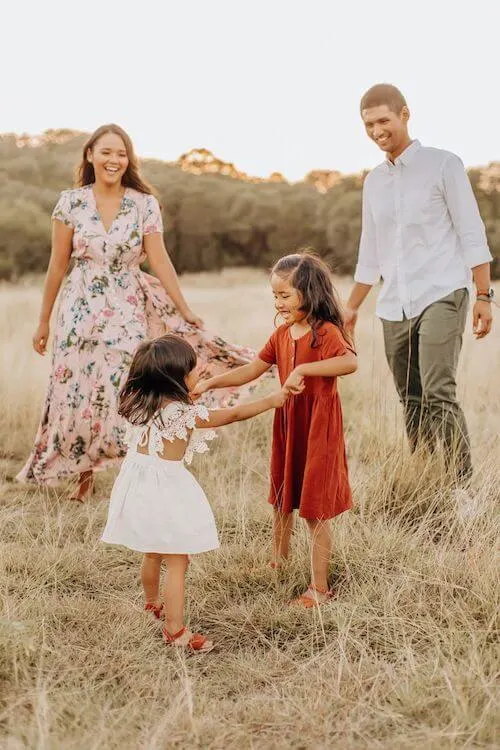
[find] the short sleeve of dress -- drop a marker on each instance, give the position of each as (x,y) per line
(62,211)
(268,353)
(151,220)
(333,343)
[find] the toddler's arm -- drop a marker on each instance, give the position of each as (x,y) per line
(220,417)
(238,376)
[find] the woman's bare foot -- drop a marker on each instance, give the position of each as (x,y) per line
(85,487)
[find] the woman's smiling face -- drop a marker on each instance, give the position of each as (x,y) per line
(109,158)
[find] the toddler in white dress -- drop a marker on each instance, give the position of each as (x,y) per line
(157,507)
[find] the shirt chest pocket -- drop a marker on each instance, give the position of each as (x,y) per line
(422,204)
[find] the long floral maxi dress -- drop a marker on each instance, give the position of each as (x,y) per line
(107,307)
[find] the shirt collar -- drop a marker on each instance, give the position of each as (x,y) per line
(407,155)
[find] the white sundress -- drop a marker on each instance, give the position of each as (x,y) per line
(156,504)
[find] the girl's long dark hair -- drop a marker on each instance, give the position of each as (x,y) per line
(157,374)
(85,174)
(311,277)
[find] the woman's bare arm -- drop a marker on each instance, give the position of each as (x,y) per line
(60,255)
(163,268)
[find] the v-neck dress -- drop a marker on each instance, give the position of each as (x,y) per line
(308,460)
(107,307)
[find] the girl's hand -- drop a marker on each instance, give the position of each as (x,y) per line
(294,383)
(193,319)
(350,320)
(201,387)
(40,338)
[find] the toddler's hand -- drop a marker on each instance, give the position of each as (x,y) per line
(279,399)
(294,383)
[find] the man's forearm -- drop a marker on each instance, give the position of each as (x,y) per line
(482,277)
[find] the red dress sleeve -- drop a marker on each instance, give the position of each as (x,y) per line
(333,343)
(268,353)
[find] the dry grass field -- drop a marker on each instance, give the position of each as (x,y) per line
(405,657)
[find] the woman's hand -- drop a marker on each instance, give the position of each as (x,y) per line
(294,383)
(190,317)
(40,338)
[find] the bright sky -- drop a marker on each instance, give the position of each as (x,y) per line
(271,85)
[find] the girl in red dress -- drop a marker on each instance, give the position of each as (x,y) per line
(308,463)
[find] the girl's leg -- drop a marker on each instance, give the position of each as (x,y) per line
(150,576)
(282,529)
(174,592)
(320,553)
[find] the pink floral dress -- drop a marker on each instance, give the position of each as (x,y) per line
(107,307)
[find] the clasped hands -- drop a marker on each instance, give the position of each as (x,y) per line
(293,385)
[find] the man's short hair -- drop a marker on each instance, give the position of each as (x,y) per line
(383,93)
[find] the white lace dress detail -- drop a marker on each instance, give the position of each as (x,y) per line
(177,421)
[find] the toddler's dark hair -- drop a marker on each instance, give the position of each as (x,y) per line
(157,373)
(311,277)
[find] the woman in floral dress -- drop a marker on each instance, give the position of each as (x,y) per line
(107,226)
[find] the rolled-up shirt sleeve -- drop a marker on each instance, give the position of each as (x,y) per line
(367,269)
(464,213)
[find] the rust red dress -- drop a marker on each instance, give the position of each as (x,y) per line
(308,461)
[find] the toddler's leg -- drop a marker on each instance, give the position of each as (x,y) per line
(150,576)
(174,592)
(282,529)
(320,553)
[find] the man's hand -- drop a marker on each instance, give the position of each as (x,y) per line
(482,318)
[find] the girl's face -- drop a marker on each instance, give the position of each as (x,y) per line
(287,300)
(192,378)
(109,159)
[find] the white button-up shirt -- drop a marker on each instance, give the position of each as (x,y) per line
(422,231)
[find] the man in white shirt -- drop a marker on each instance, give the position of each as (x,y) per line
(422,233)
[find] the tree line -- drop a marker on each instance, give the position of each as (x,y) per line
(214,215)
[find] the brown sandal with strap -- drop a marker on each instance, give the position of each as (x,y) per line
(310,599)
(156,609)
(194,642)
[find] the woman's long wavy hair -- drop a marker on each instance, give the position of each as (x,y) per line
(311,277)
(157,374)
(132,178)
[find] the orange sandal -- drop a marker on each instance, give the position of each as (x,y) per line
(156,609)
(310,599)
(191,641)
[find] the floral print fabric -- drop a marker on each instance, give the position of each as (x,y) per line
(107,307)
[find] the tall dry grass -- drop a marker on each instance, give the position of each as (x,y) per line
(405,657)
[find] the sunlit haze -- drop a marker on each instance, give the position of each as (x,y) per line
(270,86)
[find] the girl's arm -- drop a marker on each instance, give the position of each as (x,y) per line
(163,268)
(238,376)
(220,417)
(60,255)
(328,368)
